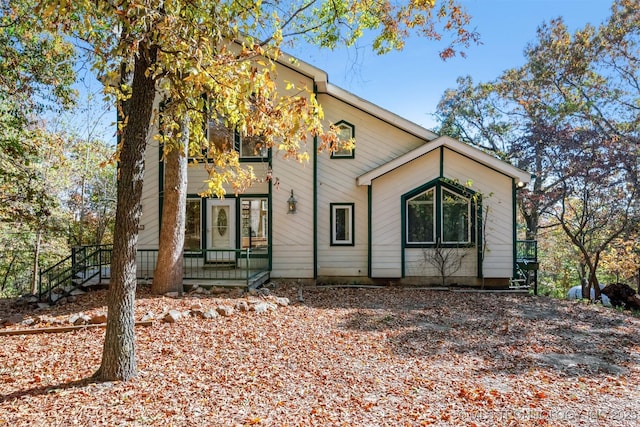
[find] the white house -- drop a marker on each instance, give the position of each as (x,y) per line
(377,213)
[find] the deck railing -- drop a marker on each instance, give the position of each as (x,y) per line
(88,262)
(210,264)
(527,250)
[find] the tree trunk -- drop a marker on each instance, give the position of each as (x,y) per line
(168,274)
(118,355)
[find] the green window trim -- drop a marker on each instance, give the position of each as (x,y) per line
(432,201)
(347,132)
(342,224)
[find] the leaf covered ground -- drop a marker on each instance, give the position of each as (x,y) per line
(342,357)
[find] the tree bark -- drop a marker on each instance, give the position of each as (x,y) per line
(118,355)
(168,274)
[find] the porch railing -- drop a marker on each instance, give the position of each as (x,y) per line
(88,262)
(210,264)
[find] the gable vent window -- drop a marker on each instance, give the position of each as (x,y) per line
(347,134)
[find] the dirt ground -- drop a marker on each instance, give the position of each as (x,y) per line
(340,357)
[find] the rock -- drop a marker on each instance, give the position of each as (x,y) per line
(28,322)
(210,314)
(43,305)
(217,290)
(98,318)
(148,316)
(172,294)
(282,301)
(172,316)
(196,306)
(48,320)
(79,319)
(264,292)
(224,310)
(72,298)
(242,306)
(76,292)
(263,307)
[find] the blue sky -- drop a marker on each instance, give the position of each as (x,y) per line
(411,82)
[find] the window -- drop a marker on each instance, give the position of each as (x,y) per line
(346,133)
(439,212)
(420,218)
(341,224)
(455,217)
(255,224)
(193,229)
(252,147)
(223,140)
(220,136)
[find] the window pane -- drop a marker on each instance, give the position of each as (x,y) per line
(192,230)
(420,215)
(346,133)
(342,224)
(220,136)
(252,146)
(455,218)
(254,223)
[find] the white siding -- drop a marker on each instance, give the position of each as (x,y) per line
(496,189)
(386,202)
(149,232)
(386,224)
(377,142)
(292,234)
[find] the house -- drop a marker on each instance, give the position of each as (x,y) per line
(384,211)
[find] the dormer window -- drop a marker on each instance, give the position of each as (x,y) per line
(346,133)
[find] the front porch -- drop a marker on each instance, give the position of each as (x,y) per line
(89,266)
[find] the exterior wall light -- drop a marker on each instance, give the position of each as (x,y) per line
(292,204)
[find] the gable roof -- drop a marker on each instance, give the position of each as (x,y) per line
(455,145)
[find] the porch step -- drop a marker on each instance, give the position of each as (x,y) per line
(259,280)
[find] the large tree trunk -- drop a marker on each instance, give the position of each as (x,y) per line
(118,354)
(168,274)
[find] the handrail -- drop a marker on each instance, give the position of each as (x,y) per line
(61,274)
(527,250)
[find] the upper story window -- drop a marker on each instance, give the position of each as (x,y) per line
(252,147)
(347,132)
(223,140)
(220,136)
(439,213)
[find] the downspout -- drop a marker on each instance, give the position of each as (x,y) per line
(514,208)
(315,197)
(369,229)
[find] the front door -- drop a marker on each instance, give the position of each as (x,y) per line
(221,230)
